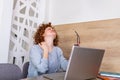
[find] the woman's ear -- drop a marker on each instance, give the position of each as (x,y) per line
(43,35)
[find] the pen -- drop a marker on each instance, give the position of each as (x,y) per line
(47,78)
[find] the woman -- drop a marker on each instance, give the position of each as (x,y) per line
(45,55)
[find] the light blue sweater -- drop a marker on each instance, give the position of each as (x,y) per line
(39,65)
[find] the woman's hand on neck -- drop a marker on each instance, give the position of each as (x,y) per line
(47,46)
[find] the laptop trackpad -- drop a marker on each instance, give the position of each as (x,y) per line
(55,76)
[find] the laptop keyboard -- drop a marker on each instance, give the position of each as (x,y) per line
(55,76)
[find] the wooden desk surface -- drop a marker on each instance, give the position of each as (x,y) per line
(35,78)
(41,78)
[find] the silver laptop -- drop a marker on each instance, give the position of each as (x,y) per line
(84,64)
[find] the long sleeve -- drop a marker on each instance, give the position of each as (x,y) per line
(63,60)
(41,64)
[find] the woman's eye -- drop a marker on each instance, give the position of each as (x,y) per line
(50,28)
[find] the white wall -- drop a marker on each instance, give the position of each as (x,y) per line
(5,25)
(71,11)
(1,10)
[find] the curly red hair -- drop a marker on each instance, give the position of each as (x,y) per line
(38,37)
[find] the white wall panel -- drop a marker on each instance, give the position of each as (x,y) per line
(27,15)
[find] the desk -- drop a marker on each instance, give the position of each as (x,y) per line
(35,78)
(42,78)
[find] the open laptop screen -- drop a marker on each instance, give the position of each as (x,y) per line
(84,63)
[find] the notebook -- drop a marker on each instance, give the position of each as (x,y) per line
(84,64)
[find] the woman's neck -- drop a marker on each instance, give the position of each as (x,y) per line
(49,41)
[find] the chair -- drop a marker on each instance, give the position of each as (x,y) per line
(10,72)
(25,70)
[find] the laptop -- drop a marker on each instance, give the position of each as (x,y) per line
(84,64)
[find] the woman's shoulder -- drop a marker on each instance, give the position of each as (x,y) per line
(35,46)
(35,49)
(58,48)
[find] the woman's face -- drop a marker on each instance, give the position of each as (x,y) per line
(50,31)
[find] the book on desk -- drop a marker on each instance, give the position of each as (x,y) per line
(109,76)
